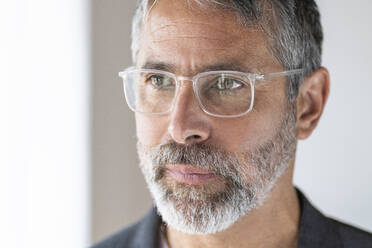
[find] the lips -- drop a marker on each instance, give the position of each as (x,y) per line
(189,174)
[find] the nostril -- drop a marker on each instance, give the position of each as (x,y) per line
(193,138)
(188,135)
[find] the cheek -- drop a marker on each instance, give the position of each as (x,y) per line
(150,129)
(248,132)
(243,135)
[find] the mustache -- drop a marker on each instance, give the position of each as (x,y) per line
(199,155)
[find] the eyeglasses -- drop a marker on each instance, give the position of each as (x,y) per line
(219,93)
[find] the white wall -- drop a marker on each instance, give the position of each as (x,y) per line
(44,96)
(334,166)
(119,194)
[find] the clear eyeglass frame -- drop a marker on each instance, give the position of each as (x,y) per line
(253,79)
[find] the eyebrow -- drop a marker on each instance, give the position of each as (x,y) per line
(157,65)
(226,66)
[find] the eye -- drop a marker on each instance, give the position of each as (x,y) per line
(160,81)
(156,80)
(224,83)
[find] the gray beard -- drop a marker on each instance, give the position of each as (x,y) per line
(248,179)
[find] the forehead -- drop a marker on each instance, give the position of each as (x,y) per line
(185,34)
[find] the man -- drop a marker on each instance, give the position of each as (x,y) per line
(222,91)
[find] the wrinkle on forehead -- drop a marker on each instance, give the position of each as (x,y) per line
(219,47)
(184,21)
(206,35)
(186,37)
(180,30)
(157,26)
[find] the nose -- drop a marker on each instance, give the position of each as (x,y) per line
(188,123)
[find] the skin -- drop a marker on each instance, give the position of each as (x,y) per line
(188,42)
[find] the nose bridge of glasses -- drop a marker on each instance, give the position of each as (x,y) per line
(180,82)
(183,78)
(185,90)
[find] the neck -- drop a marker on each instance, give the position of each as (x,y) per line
(274,224)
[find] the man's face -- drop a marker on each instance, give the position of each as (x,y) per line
(229,163)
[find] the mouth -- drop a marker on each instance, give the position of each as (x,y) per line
(189,174)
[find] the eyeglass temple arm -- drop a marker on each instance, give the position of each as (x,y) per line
(122,73)
(280,74)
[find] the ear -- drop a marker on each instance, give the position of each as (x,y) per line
(311,100)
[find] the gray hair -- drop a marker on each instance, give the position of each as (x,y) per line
(292,26)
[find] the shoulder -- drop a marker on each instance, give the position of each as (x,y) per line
(352,236)
(123,238)
(141,234)
(318,230)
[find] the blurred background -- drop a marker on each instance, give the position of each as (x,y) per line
(69,174)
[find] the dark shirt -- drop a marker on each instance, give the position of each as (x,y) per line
(316,231)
